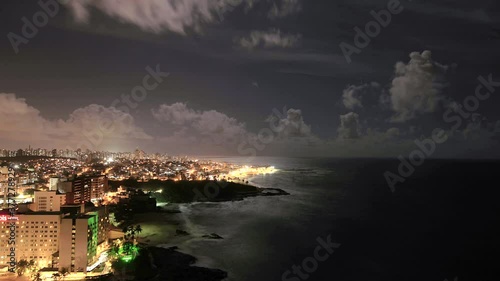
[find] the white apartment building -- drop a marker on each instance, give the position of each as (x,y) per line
(37,238)
(48,201)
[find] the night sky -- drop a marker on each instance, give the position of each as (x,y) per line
(233,64)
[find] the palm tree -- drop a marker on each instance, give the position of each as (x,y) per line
(138,229)
(130,232)
(114,251)
(31,265)
(64,271)
(37,277)
(22,265)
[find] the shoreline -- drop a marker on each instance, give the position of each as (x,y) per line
(197,191)
(168,233)
(165,233)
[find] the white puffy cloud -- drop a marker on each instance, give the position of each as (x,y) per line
(284,8)
(416,87)
(290,125)
(269,39)
(353,95)
(392,132)
(19,120)
(93,126)
(208,130)
(108,120)
(350,97)
(189,122)
(177,114)
(349,126)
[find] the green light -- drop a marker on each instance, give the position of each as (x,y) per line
(127,259)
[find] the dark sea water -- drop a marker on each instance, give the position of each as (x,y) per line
(441,223)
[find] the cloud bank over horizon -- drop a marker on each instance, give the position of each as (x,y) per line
(211,132)
(93,127)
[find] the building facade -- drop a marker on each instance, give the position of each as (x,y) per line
(37,237)
(70,239)
(88,189)
(78,242)
(4,171)
(48,201)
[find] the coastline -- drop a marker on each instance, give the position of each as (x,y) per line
(170,231)
(165,235)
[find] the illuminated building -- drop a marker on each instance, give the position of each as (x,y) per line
(48,201)
(37,237)
(98,186)
(53,182)
(87,189)
(68,239)
(65,187)
(79,240)
(4,183)
(103,225)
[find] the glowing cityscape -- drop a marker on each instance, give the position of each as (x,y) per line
(63,205)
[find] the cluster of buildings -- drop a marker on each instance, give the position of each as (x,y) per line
(62,220)
(80,189)
(117,165)
(38,152)
(59,228)
(80,154)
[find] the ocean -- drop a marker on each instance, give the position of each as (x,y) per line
(442,223)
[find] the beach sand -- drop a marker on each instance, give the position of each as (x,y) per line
(159,228)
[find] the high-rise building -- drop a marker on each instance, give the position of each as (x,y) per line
(37,237)
(88,189)
(70,239)
(64,187)
(54,181)
(103,223)
(4,184)
(99,186)
(78,241)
